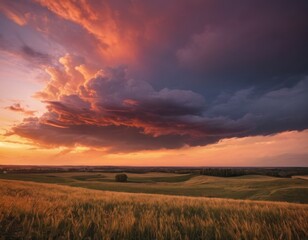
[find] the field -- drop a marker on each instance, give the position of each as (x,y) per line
(253,187)
(48,211)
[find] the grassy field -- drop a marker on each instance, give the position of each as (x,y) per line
(48,211)
(244,187)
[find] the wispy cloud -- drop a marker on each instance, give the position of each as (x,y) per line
(17,107)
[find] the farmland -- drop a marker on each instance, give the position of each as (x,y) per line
(252,187)
(48,211)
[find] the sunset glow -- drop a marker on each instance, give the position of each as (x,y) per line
(153,83)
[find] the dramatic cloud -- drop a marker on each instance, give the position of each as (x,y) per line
(115,112)
(138,75)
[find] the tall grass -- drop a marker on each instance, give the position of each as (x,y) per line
(44,211)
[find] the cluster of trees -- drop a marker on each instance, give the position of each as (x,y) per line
(222,172)
(121,177)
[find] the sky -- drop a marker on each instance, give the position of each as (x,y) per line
(154,83)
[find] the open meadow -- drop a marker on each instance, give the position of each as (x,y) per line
(47,211)
(253,187)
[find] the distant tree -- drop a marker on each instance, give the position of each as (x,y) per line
(121,177)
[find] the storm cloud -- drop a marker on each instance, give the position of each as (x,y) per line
(146,75)
(121,114)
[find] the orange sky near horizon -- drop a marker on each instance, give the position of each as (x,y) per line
(283,149)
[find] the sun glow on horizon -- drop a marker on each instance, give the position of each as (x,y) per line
(248,151)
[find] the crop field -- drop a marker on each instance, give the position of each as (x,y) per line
(48,211)
(253,187)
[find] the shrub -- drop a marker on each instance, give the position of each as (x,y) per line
(121,177)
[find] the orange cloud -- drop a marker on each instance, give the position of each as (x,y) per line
(116,43)
(111,105)
(12,13)
(16,107)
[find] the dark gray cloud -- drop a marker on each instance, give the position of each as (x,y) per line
(265,39)
(123,114)
(209,46)
(270,112)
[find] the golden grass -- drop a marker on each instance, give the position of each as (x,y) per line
(45,211)
(301,177)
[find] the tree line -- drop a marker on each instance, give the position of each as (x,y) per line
(222,172)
